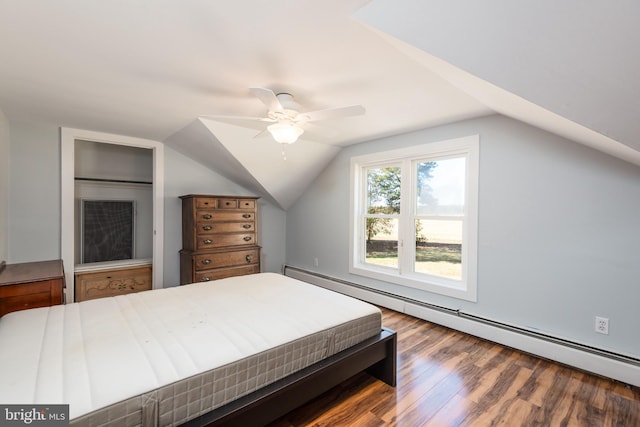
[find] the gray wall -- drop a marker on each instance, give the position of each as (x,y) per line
(34,202)
(4,187)
(116,162)
(112,161)
(559,227)
(184,176)
(34,195)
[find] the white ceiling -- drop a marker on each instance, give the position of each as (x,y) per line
(150,69)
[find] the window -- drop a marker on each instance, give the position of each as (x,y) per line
(414,216)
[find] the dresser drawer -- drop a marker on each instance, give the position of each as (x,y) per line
(224,227)
(221,273)
(247,204)
(222,216)
(226,259)
(220,240)
(224,203)
(206,202)
(228,204)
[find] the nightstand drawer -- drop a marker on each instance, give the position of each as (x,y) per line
(23,302)
(31,285)
(25,289)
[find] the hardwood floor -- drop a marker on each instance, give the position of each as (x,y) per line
(447,378)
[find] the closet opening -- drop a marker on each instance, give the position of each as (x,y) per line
(111,214)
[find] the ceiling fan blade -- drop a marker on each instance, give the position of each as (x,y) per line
(267,97)
(331,113)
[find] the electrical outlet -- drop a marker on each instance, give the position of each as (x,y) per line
(602,325)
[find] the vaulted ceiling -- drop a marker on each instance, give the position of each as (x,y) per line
(151,69)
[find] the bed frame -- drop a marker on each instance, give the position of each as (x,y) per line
(377,356)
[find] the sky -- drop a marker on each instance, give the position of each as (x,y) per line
(447,183)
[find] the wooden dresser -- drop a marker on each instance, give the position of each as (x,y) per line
(109,279)
(31,285)
(219,237)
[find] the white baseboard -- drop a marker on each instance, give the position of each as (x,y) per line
(598,364)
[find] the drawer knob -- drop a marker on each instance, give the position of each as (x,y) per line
(207,216)
(207,241)
(205,279)
(206,261)
(207,227)
(248,258)
(246,216)
(246,238)
(246,226)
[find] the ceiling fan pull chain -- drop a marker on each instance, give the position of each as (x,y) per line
(284,155)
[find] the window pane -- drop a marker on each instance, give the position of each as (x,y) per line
(382,241)
(439,248)
(383,190)
(441,187)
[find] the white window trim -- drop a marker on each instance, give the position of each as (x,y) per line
(463,289)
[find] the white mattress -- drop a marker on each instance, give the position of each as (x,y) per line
(100,352)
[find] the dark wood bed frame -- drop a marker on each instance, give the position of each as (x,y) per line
(377,356)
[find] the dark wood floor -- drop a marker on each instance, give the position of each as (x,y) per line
(447,378)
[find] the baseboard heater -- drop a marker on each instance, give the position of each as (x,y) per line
(614,365)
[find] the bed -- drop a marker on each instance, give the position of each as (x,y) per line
(237,351)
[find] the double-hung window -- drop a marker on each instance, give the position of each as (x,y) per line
(414,216)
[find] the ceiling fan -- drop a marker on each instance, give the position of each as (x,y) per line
(288,123)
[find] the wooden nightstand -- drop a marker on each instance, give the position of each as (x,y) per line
(31,285)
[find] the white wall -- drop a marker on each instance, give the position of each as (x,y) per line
(576,61)
(34,205)
(559,226)
(4,186)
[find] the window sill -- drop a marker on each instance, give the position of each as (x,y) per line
(433,284)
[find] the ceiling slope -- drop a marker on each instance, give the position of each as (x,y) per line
(279,173)
(568,67)
(198,143)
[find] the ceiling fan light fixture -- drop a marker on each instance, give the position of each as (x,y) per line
(285,133)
